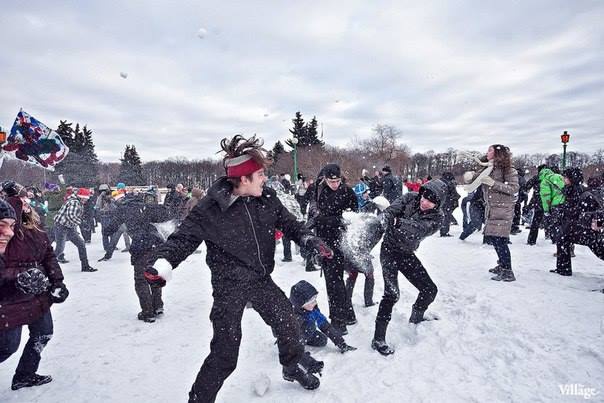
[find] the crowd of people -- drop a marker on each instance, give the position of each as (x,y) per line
(240,220)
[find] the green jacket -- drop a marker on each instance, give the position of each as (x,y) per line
(550,189)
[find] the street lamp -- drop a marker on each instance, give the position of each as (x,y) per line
(565,137)
(295,155)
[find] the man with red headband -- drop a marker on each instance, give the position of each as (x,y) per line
(237,220)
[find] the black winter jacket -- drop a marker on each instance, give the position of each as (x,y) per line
(392,187)
(326,210)
(239,233)
(139,218)
(411,225)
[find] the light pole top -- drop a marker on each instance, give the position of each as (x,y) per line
(294,141)
(565,137)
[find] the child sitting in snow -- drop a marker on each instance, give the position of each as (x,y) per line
(303,297)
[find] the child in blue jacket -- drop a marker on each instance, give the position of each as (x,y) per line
(303,297)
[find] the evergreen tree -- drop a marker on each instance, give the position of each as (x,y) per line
(277,150)
(80,167)
(131,169)
(312,136)
(299,129)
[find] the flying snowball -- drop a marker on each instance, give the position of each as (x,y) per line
(202,33)
(123,75)
(266,115)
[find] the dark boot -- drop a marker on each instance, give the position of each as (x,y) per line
(339,326)
(417,315)
(562,272)
(20,381)
(299,374)
(87,268)
(379,338)
(309,265)
(146,317)
(310,364)
(495,270)
(61,259)
(506,275)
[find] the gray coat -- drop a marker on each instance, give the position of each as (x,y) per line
(499,202)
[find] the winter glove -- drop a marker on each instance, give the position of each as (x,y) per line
(153,278)
(487,180)
(32,281)
(317,244)
(387,219)
(58,292)
(345,347)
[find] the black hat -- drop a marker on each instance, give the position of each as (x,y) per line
(574,175)
(7,211)
(332,171)
(430,195)
(387,169)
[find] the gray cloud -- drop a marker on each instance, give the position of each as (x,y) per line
(458,74)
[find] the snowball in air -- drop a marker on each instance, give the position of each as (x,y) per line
(123,75)
(202,33)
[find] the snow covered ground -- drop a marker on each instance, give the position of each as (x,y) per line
(500,342)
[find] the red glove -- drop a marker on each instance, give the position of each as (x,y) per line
(153,278)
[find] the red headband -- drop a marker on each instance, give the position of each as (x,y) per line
(241,166)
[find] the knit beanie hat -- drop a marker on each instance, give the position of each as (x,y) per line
(7,211)
(332,171)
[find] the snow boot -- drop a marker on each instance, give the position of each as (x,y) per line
(339,326)
(87,268)
(417,315)
(29,380)
(496,270)
(381,347)
(505,275)
(562,272)
(159,311)
(61,259)
(146,317)
(302,376)
(310,364)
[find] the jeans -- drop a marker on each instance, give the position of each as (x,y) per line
(504,257)
(114,239)
(40,332)
(535,224)
(63,234)
(149,297)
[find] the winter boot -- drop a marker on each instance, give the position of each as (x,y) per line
(309,265)
(379,338)
(159,311)
(310,364)
(61,259)
(339,326)
(417,315)
(146,317)
(302,376)
(562,272)
(496,270)
(506,275)
(29,380)
(87,268)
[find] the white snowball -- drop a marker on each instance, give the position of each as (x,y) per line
(123,75)
(202,33)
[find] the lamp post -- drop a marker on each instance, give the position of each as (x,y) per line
(295,155)
(565,137)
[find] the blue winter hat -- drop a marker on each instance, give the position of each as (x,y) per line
(360,188)
(121,185)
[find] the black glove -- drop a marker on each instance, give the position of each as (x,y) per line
(345,347)
(58,292)
(317,244)
(32,281)
(153,278)
(387,219)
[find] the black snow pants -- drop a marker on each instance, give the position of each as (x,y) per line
(410,266)
(229,302)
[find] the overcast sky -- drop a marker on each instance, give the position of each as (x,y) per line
(462,74)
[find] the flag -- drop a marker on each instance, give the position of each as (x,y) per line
(32,141)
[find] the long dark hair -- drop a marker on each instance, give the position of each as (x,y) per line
(502,158)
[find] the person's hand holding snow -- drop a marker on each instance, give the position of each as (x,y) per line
(318,246)
(159,273)
(58,292)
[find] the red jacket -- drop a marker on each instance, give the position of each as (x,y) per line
(28,248)
(413,186)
